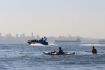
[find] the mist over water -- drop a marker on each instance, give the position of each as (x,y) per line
(25,57)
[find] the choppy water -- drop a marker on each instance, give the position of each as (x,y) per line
(25,57)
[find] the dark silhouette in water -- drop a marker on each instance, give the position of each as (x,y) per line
(94,51)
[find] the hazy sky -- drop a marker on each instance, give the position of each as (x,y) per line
(53,17)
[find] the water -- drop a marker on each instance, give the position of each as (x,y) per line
(25,57)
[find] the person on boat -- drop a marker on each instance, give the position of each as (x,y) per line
(94,51)
(60,51)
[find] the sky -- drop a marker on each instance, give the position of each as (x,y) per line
(53,17)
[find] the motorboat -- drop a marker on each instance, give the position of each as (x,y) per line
(41,42)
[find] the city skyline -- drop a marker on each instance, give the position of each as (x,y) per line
(22,39)
(83,18)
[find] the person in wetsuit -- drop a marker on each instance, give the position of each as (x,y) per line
(60,51)
(94,51)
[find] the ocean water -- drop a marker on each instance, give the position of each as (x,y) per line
(25,57)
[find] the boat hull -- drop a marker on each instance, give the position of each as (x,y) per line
(41,45)
(66,53)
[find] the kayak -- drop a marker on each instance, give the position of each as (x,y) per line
(65,53)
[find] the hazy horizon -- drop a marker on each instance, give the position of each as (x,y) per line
(53,17)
